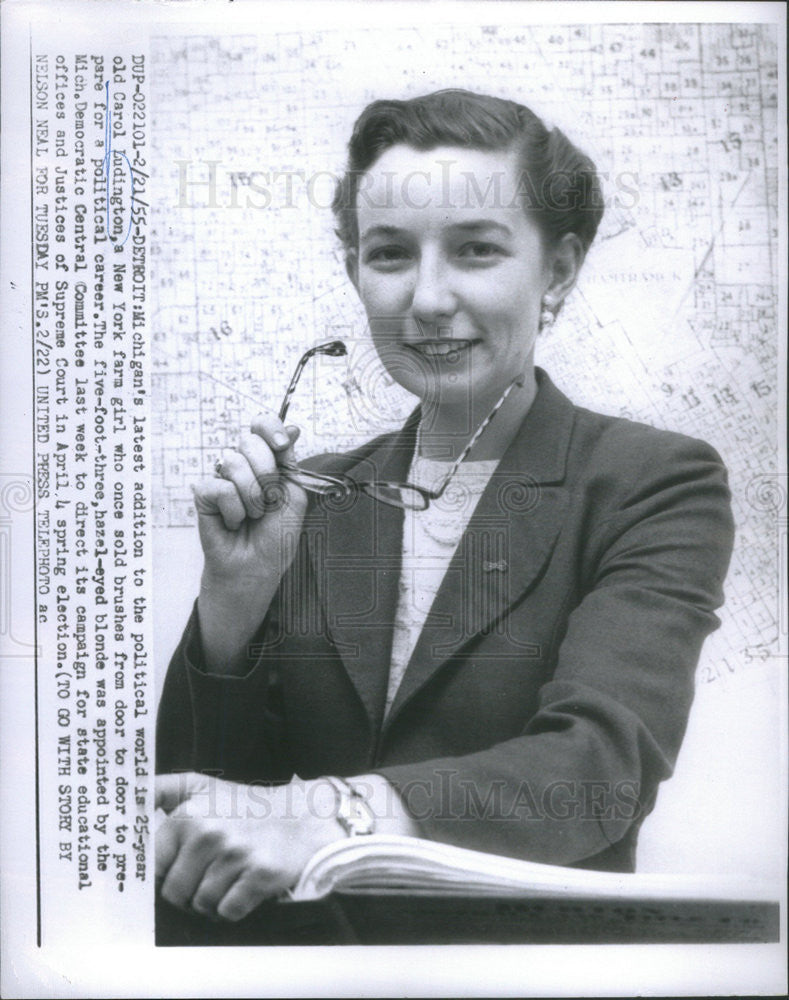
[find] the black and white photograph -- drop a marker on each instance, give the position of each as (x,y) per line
(394,499)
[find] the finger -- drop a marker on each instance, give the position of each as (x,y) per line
(277,493)
(172,789)
(246,893)
(219,498)
(261,458)
(263,466)
(167,844)
(199,846)
(217,879)
(236,469)
(278,437)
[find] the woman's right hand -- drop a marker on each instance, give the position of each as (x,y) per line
(249,522)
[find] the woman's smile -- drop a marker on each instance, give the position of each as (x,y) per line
(449,349)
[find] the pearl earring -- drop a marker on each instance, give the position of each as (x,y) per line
(547,317)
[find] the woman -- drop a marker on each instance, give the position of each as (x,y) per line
(513,675)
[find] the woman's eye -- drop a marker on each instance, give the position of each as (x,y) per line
(387,255)
(480,251)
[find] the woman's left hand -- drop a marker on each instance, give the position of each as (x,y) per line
(225,847)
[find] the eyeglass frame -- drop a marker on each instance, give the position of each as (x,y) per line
(324,484)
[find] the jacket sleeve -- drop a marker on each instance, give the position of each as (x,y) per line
(612,714)
(227,726)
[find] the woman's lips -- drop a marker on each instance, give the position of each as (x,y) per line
(440,348)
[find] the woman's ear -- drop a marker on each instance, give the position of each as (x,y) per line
(564,265)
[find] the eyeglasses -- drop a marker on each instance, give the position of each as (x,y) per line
(339,487)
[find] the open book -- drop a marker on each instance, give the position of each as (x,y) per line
(400,890)
(385,864)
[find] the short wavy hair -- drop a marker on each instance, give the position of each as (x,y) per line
(559,183)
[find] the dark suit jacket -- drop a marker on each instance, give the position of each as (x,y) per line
(549,690)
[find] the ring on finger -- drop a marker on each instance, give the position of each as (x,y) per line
(219,470)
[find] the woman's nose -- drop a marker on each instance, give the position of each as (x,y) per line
(433,296)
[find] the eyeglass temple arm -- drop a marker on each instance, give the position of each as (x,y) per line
(283,410)
(482,428)
(335,349)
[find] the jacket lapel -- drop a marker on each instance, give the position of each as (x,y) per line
(356,552)
(506,545)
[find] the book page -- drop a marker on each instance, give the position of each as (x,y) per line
(408,864)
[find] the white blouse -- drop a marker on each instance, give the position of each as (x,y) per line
(430,538)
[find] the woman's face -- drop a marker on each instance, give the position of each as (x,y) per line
(451,271)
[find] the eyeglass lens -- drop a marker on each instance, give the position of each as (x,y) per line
(403,495)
